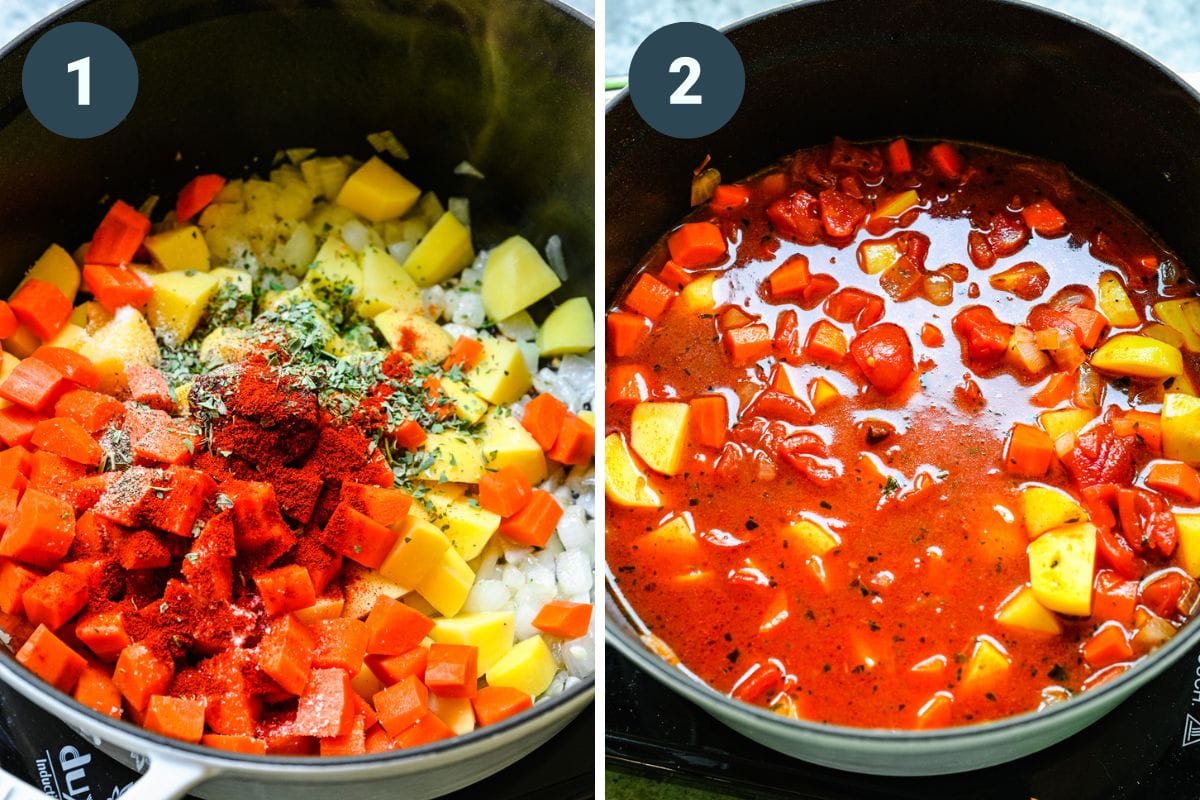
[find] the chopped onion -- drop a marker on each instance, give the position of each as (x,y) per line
(468,169)
(386,142)
(554,257)
(1154,633)
(460,209)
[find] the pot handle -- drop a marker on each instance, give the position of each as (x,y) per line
(166,778)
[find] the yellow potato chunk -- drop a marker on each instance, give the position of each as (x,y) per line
(897,204)
(1139,356)
(514,278)
(414,334)
(624,483)
(467,526)
(325,607)
(8,362)
(1183,316)
(447,585)
(1164,333)
(377,192)
(875,257)
(456,712)
(1022,611)
(1067,420)
(468,406)
(57,267)
(1115,304)
(71,337)
(1188,554)
(1181,427)
(529,667)
(658,433)
(822,393)
(988,665)
(443,252)
(674,540)
(126,339)
(362,587)
(1046,508)
(365,684)
(457,458)
(386,284)
(491,632)
(570,328)
(179,302)
(811,537)
(242,280)
(225,346)
(335,277)
(501,376)
(23,342)
(418,550)
(1061,568)
(179,249)
(506,443)
(697,296)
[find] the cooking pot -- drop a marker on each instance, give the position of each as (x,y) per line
(225,84)
(992,71)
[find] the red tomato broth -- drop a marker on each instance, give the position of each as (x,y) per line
(918,574)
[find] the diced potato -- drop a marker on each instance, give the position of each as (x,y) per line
(225,346)
(468,406)
(456,712)
(514,278)
(1181,427)
(126,340)
(182,394)
(1046,508)
(624,483)
(418,550)
(989,663)
(811,537)
(658,433)
(443,252)
(56,266)
(1184,316)
(415,334)
(1022,611)
(1185,384)
(1067,420)
(23,342)
(506,443)
(674,540)
(335,278)
(300,249)
(878,256)
(1115,304)
(1164,333)
(179,249)
(529,667)
(365,683)
(501,376)
(467,526)
(822,393)
(241,279)
(8,362)
(71,337)
(1188,554)
(697,296)
(179,302)
(457,458)
(491,632)
(570,328)
(377,192)
(326,607)
(447,585)
(362,587)
(1140,356)
(897,204)
(386,284)
(1061,568)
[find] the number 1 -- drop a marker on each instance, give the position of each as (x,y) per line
(84,67)
(680,96)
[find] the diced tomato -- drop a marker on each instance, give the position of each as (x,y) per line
(1101,456)
(884,354)
(984,337)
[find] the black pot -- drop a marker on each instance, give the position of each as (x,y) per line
(992,71)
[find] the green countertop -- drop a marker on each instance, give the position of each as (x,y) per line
(620,786)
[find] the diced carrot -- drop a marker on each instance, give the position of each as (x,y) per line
(14,468)
(327,706)
(385,505)
(54,599)
(116,286)
(1113,598)
(408,435)
(395,628)
(576,442)
(53,474)
(377,740)
(625,332)
(341,644)
(1029,451)
(946,160)
(428,728)
(625,384)
(727,197)
(826,343)
(495,703)
(67,438)
(96,690)
(710,420)
(52,660)
(1108,646)
(166,445)
(33,385)
(250,745)
(1043,217)
(14,581)
(141,673)
(534,524)
(393,669)
(1145,425)
(351,743)
(452,670)
(543,418)
(43,531)
(285,589)
(285,653)
(1090,324)
(936,712)
(147,386)
(819,287)
(119,235)
(8,321)
(177,717)
(747,344)
(564,618)
(401,704)
(196,194)
(1174,478)
(696,244)
(41,306)
(791,277)
(898,158)
(674,275)
(74,367)
(931,336)
(1057,389)
(358,537)
(846,304)
(103,633)
(256,516)
(649,296)
(505,491)
(93,410)
(465,354)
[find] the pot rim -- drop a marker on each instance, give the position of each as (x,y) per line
(683,681)
(129,735)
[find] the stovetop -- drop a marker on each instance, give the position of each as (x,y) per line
(1149,747)
(49,755)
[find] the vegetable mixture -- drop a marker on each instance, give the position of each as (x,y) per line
(905,435)
(281,482)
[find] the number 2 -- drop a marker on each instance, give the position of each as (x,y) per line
(680,96)
(84,67)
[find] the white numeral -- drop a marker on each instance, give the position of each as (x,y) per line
(84,67)
(680,96)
